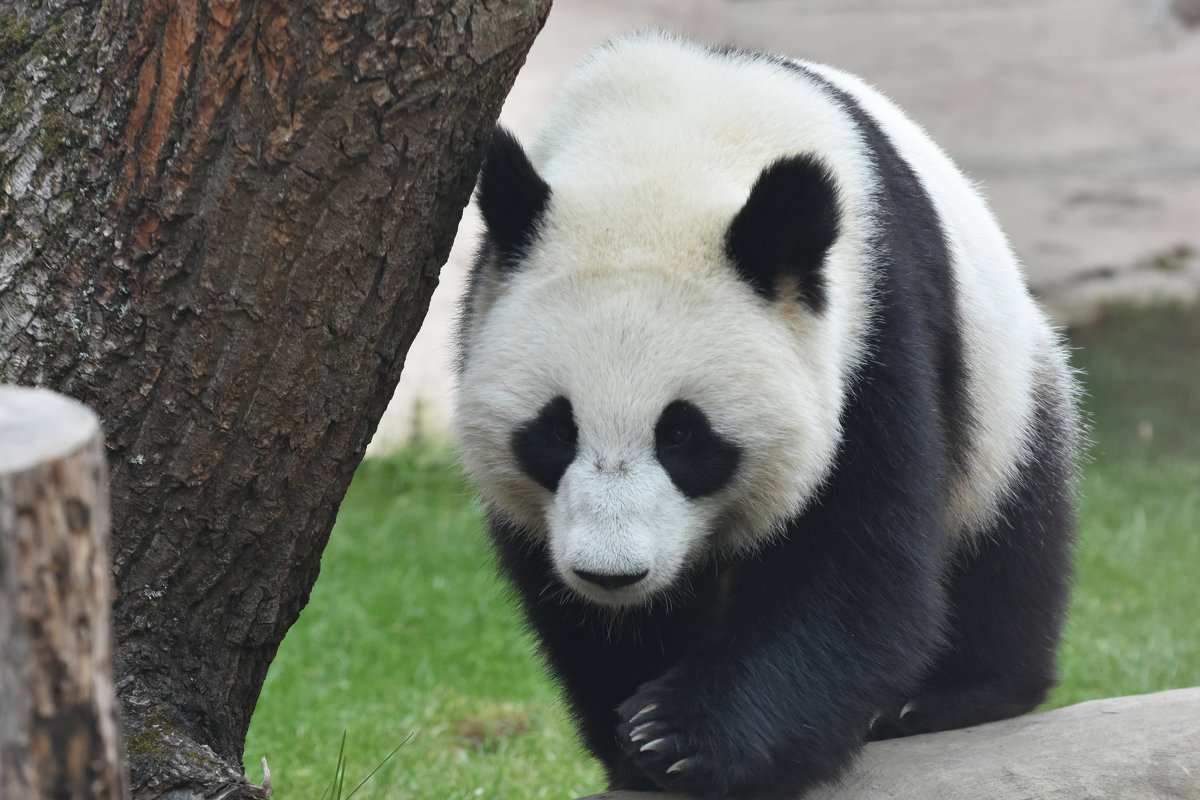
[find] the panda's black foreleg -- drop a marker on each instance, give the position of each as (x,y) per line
(760,687)
(601,660)
(1008,593)
(819,634)
(822,628)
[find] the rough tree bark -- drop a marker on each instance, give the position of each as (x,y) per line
(58,717)
(220,226)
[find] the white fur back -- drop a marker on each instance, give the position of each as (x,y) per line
(1008,341)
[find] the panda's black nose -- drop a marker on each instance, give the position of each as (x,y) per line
(610,581)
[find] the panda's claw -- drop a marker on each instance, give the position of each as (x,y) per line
(909,707)
(680,765)
(645,710)
(639,733)
(657,744)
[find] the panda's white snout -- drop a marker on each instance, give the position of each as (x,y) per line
(619,536)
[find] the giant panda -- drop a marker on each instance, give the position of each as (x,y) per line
(775,447)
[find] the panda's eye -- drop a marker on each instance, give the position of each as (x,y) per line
(676,436)
(564,431)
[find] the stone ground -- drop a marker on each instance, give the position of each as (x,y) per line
(1080,118)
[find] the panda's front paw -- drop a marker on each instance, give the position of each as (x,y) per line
(660,735)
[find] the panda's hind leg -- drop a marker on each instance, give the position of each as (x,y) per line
(1008,595)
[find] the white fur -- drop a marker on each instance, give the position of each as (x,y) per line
(619,519)
(628,303)
(1005,335)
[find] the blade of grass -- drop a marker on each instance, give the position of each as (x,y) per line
(380,766)
(334,790)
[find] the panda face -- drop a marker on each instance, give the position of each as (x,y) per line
(653,366)
(639,420)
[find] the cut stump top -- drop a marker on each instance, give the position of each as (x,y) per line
(38,425)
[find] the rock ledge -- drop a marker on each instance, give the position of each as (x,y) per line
(1143,746)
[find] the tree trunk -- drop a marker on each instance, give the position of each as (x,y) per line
(58,716)
(220,228)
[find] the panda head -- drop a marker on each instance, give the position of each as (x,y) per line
(648,378)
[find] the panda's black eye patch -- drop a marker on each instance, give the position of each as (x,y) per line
(545,446)
(698,460)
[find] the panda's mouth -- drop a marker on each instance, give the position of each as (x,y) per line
(623,589)
(611,582)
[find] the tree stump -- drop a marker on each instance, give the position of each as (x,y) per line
(59,736)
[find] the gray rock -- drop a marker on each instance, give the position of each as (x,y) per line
(1143,747)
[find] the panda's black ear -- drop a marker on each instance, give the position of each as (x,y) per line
(512,197)
(781,235)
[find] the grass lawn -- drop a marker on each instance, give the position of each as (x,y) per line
(408,632)
(1135,620)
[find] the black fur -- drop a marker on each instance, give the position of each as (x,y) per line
(999,662)
(512,197)
(545,446)
(601,659)
(765,672)
(698,459)
(915,244)
(785,228)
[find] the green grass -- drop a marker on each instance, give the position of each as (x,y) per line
(408,631)
(1135,618)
